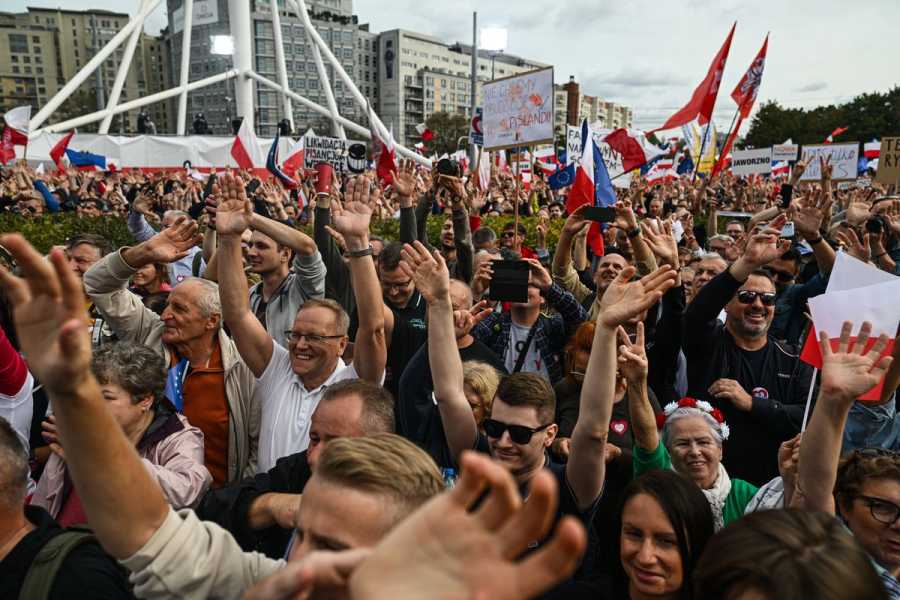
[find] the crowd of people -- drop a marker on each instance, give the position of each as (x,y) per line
(259,398)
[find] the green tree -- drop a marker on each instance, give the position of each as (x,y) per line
(447,129)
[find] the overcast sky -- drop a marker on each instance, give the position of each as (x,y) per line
(651,55)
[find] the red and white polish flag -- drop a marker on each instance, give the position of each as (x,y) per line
(245,150)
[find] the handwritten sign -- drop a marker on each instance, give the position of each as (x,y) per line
(573,144)
(611,158)
(889,161)
(518,110)
(844,158)
(751,162)
(319,149)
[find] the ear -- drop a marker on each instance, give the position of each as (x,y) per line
(145,403)
(343,345)
(213,321)
(550,435)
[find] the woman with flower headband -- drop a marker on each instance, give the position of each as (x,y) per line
(692,436)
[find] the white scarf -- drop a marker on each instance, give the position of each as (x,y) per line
(717,495)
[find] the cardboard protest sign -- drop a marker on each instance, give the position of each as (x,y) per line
(889,161)
(752,162)
(319,149)
(518,110)
(784,152)
(844,159)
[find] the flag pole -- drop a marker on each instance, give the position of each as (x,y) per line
(517,247)
(812,385)
(702,150)
(730,128)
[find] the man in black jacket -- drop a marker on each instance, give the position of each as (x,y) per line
(260,511)
(87,571)
(760,384)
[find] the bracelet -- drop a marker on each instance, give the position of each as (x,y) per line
(815,241)
(360,253)
(634,232)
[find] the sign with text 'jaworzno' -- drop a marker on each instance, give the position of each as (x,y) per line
(843,159)
(518,110)
(751,162)
(320,149)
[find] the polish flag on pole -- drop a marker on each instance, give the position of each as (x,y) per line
(382,152)
(834,134)
(59,150)
(294,160)
(484,170)
(872,149)
(245,149)
(780,168)
(426,134)
(704,98)
(634,147)
(584,189)
(856,292)
(15,133)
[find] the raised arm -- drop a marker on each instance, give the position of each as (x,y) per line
(563,272)
(429,271)
(352,221)
(633,365)
(283,234)
(808,214)
(232,217)
(846,374)
(622,301)
(123,504)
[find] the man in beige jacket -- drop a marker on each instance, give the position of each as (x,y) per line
(208,382)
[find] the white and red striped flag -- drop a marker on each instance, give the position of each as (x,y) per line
(245,150)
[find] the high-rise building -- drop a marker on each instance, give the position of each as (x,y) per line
(572,107)
(42,49)
(351,43)
(420,75)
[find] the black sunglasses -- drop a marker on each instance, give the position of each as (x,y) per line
(519,434)
(782,276)
(748,297)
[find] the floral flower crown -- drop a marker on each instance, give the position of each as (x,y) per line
(706,407)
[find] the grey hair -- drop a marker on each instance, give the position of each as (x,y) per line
(342,319)
(688,411)
(208,301)
(720,237)
(137,369)
(713,255)
(176,214)
(13,467)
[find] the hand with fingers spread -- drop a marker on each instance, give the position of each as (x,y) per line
(763,246)
(472,549)
(352,218)
(852,370)
(404,182)
(427,270)
(848,239)
(632,356)
(538,275)
(625,300)
(49,314)
(662,243)
(234,210)
(171,244)
(808,214)
(625,218)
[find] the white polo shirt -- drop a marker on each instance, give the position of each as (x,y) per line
(287,407)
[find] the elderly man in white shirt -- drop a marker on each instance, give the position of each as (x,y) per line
(292,379)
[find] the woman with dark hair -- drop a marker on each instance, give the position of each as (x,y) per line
(151,283)
(132,379)
(786,554)
(664,525)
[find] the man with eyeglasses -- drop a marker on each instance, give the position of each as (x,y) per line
(292,380)
(759,383)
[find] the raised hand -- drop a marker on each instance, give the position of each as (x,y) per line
(482,278)
(851,371)
(427,270)
(576,222)
(825,167)
(352,218)
(662,243)
(539,276)
(800,168)
(808,214)
(404,179)
(471,548)
(848,239)
(624,300)
(170,244)
(455,186)
(765,246)
(49,314)
(633,363)
(234,210)
(465,320)
(625,218)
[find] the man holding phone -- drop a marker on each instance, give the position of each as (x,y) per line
(524,338)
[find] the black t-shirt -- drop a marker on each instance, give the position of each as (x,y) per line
(87,572)
(410,332)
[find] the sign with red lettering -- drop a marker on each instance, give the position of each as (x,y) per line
(518,110)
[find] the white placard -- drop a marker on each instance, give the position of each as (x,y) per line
(611,158)
(844,159)
(205,12)
(518,110)
(319,149)
(751,162)
(573,144)
(784,152)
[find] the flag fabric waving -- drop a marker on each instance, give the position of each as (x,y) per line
(835,133)
(704,97)
(562,178)
(745,92)
(245,149)
(584,187)
(15,133)
(89,161)
(274,169)
(426,134)
(634,147)
(59,150)
(382,152)
(872,149)
(295,158)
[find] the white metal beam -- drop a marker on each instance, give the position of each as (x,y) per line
(126,106)
(242,34)
(85,72)
(280,64)
(122,75)
(363,131)
(188,9)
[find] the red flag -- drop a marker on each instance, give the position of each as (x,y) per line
(57,152)
(835,133)
(382,152)
(633,146)
(245,148)
(745,91)
(704,97)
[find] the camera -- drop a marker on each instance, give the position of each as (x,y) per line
(448,166)
(876,224)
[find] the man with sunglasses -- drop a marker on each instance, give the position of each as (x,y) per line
(292,380)
(758,382)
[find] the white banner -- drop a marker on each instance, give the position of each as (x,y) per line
(318,149)
(844,159)
(784,152)
(518,110)
(205,12)
(751,162)
(611,158)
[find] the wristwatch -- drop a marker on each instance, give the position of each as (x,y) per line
(367,251)
(634,232)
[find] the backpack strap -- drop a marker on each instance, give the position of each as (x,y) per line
(42,572)
(195,264)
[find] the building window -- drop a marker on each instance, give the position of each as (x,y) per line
(38,60)
(35,39)
(26,59)
(15,69)
(39,70)
(18,42)
(15,58)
